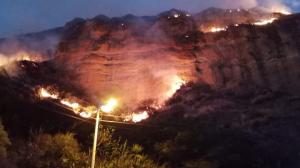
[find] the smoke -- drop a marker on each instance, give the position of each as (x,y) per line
(136,62)
(43,45)
(26,48)
(236,3)
(269,5)
(122,65)
(279,6)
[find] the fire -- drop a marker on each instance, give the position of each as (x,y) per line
(25,57)
(137,117)
(176,83)
(265,22)
(140,117)
(85,114)
(43,93)
(176,15)
(279,8)
(73,105)
(89,110)
(217,29)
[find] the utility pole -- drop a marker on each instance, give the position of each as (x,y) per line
(95,138)
(106,108)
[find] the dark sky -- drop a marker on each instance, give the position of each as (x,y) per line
(21,16)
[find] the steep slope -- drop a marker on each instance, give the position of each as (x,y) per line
(134,58)
(140,58)
(221,18)
(266,56)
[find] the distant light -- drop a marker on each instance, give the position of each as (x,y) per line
(176,15)
(109,106)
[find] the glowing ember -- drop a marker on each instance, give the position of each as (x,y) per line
(43,93)
(265,22)
(75,106)
(85,114)
(217,29)
(109,106)
(138,117)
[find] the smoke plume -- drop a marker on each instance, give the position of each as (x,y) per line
(26,48)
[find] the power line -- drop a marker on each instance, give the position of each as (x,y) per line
(27,87)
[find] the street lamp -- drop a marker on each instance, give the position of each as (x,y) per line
(107,108)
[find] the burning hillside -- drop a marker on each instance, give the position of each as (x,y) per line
(147,59)
(86,110)
(210,89)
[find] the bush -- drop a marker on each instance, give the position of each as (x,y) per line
(4,141)
(48,151)
(116,154)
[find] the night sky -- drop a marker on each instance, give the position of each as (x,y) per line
(22,16)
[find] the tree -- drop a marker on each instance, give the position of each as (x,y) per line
(113,153)
(48,151)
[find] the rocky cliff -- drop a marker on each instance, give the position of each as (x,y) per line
(253,56)
(141,58)
(138,58)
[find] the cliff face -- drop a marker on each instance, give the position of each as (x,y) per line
(266,56)
(215,17)
(135,58)
(138,58)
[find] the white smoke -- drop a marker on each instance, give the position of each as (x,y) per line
(275,6)
(269,5)
(26,48)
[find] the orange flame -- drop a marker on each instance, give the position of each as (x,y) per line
(88,111)
(43,93)
(85,114)
(265,21)
(73,105)
(176,83)
(137,117)
(217,29)
(279,8)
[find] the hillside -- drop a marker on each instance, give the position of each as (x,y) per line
(220,86)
